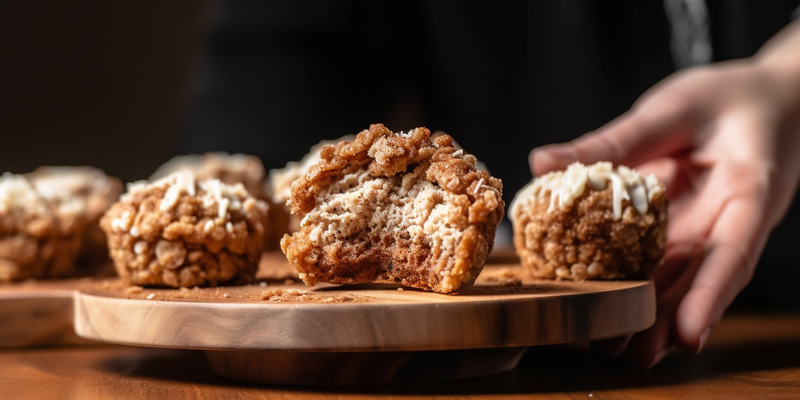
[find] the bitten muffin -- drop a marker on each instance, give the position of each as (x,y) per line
(591,222)
(281,179)
(232,169)
(394,208)
(98,191)
(181,232)
(39,238)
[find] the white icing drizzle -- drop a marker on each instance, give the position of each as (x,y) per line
(566,186)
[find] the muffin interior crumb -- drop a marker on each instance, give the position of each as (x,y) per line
(394,208)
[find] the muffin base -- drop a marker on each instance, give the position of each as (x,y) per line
(26,257)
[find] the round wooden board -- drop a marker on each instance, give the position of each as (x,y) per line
(367,317)
(286,333)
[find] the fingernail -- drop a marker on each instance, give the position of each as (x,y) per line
(616,351)
(550,158)
(660,356)
(541,157)
(704,339)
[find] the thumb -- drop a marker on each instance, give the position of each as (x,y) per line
(651,131)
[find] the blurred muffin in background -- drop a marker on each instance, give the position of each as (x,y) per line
(40,235)
(98,192)
(281,179)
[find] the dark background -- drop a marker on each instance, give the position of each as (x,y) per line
(125,85)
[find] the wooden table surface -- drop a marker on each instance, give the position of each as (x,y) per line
(749,355)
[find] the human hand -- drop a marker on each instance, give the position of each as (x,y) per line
(723,139)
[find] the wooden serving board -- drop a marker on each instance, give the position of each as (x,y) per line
(284,332)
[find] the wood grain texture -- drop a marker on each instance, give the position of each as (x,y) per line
(38,315)
(379,318)
(748,356)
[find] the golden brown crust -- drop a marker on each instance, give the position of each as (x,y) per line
(586,242)
(189,244)
(398,208)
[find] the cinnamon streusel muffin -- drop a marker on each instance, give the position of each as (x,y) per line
(591,222)
(39,237)
(98,191)
(181,232)
(232,169)
(395,208)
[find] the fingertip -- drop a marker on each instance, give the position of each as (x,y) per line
(542,162)
(704,339)
(690,341)
(531,162)
(691,321)
(663,353)
(550,158)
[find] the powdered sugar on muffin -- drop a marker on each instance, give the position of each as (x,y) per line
(228,168)
(231,169)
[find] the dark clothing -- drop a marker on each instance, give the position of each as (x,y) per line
(501,78)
